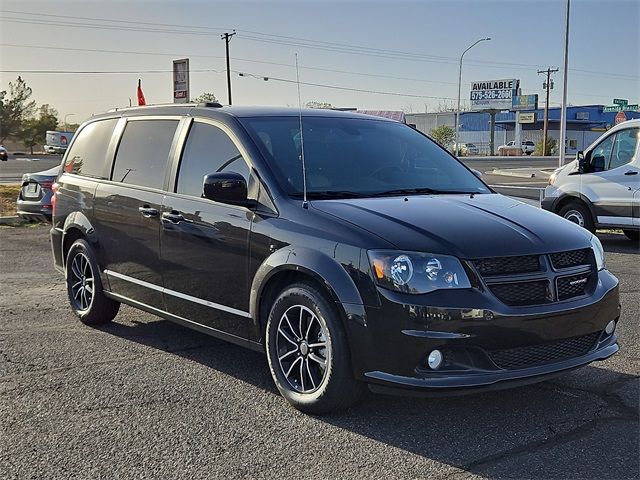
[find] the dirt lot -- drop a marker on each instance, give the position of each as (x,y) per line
(145,398)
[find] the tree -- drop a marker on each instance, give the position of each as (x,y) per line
(33,131)
(551,146)
(444,135)
(205,97)
(316,104)
(15,108)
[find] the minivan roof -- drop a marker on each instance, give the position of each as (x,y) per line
(234,111)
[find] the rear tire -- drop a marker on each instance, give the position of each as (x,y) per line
(633,235)
(308,352)
(84,286)
(579,214)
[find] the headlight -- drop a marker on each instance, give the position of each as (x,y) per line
(412,272)
(598,251)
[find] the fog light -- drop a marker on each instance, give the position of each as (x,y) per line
(611,326)
(435,359)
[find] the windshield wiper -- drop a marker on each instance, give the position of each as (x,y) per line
(419,191)
(327,194)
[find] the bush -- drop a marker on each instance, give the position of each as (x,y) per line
(444,135)
(551,146)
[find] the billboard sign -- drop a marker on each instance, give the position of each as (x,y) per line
(524,102)
(526,117)
(493,94)
(181,81)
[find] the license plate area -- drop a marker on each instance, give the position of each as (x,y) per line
(31,190)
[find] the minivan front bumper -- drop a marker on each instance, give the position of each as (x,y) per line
(490,346)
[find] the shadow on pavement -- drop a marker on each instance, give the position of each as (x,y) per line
(618,243)
(575,426)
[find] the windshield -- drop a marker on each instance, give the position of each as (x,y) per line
(358,157)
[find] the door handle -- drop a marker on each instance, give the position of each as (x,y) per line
(631,172)
(173,217)
(148,211)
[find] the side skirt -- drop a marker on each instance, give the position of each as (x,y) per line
(258,347)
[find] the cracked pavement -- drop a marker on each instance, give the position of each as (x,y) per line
(145,398)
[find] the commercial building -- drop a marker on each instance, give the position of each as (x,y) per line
(584,124)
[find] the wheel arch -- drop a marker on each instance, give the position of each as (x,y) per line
(294,264)
(575,197)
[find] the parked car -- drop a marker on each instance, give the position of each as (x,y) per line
(34,198)
(4,155)
(527,148)
(472,149)
(601,188)
(57,142)
(351,254)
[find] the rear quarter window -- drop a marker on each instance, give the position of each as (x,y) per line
(143,152)
(88,153)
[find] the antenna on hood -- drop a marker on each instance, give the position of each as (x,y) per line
(305,204)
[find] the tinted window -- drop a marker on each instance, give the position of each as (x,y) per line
(624,147)
(87,155)
(208,150)
(601,154)
(143,152)
(357,156)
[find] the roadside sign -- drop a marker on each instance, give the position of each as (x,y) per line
(524,102)
(613,108)
(620,101)
(632,107)
(526,117)
(181,81)
(620,117)
(493,94)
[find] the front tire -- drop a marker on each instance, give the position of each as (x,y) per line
(308,352)
(579,214)
(84,286)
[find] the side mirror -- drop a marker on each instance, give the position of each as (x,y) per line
(597,163)
(581,161)
(477,173)
(225,187)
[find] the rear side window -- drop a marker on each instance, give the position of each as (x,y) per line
(87,155)
(207,150)
(143,152)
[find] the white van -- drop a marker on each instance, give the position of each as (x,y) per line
(57,142)
(601,187)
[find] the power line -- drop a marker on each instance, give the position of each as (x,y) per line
(105,72)
(321,69)
(337,87)
(282,40)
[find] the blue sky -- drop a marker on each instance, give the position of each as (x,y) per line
(526,35)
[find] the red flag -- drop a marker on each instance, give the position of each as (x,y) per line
(141,100)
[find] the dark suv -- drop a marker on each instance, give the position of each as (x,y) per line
(353,249)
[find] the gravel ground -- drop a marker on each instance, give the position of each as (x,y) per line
(144,398)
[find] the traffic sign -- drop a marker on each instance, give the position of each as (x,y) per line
(620,101)
(613,108)
(620,117)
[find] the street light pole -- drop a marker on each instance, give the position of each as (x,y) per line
(65,120)
(565,75)
(457,118)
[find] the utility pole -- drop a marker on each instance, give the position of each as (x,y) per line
(548,85)
(227,37)
(565,77)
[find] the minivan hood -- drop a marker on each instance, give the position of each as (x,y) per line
(485,225)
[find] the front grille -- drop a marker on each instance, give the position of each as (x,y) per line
(507,265)
(572,258)
(523,357)
(532,279)
(522,293)
(573,286)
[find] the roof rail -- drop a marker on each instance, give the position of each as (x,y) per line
(210,104)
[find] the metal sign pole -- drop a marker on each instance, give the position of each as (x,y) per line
(565,74)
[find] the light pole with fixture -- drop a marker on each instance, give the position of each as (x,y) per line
(457,118)
(66,125)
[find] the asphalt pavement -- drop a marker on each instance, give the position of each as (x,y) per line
(11,171)
(144,398)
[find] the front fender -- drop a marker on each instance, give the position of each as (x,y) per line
(316,264)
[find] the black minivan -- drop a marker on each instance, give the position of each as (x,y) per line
(352,249)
